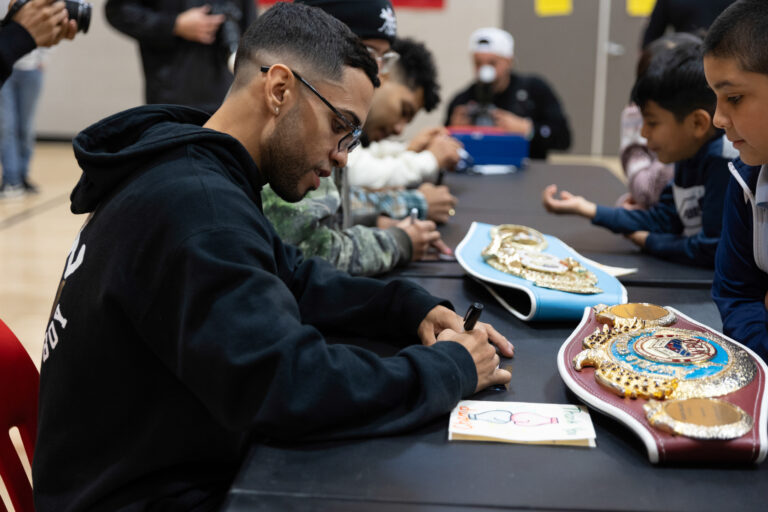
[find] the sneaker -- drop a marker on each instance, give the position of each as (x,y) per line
(29,188)
(11,191)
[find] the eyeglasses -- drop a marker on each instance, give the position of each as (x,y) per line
(349,141)
(385,60)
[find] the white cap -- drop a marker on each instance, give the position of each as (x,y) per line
(492,40)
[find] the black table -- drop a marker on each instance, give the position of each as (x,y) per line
(423,471)
(520,192)
(650,271)
(516,199)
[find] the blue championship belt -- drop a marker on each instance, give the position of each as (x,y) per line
(538,270)
(689,393)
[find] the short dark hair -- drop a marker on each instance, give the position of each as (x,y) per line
(416,68)
(675,80)
(320,43)
(741,32)
(662,44)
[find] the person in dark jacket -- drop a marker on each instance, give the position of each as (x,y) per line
(736,66)
(184,329)
(37,23)
(740,285)
(521,104)
(185,46)
(677,106)
(692,16)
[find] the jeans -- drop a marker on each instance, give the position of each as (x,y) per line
(18,100)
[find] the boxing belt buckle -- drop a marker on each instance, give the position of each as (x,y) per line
(689,393)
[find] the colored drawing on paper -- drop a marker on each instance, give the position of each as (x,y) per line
(521,419)
(521,422)
(546,8)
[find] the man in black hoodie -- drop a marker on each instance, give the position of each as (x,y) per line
(184,329)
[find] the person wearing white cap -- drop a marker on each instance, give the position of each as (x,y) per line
(521,104)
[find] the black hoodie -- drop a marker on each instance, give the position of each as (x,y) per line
(184,329)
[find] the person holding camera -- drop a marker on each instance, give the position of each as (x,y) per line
(521,104)
(28,25)
(35,23)
(186,46)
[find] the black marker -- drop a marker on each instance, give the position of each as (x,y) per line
(472,315)
(470,319)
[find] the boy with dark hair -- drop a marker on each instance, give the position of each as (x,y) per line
(736,66)
(184,329)
(646,175)
(677,106)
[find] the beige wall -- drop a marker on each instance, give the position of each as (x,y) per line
(446,33)
(89,78)
(99,73)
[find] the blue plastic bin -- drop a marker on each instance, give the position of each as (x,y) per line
(494,148)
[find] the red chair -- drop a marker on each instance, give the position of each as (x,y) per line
(19,384)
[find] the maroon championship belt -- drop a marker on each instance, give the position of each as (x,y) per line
(688,392)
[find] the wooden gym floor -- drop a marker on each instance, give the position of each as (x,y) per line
(36,232)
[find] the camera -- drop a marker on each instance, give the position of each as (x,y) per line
(229,31)
(80,11)
(481,112)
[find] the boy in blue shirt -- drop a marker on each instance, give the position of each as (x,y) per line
(677,107)
(736,66)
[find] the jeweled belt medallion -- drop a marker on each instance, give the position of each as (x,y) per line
(518,250)
(644,357)
(650,314)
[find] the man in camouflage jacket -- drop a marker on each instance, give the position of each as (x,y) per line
(339,222)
